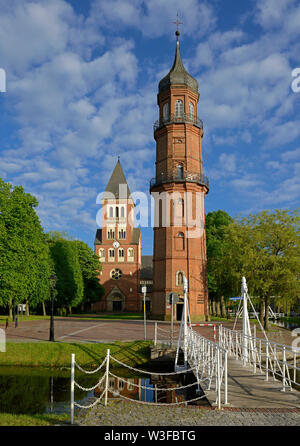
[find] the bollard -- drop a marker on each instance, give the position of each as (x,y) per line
(107,376)
(16,323)
(284,370)
(6,324)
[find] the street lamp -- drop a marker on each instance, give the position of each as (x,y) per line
(53,279)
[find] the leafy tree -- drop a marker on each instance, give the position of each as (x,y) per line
(24,255)
(69,286)
(265,249)
(90,268)
(216,222)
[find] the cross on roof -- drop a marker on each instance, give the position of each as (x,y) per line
(177,23)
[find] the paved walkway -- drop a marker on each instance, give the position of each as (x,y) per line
(120,413)
(246,390)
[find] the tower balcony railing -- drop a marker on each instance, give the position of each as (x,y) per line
(174,177)
(178,118)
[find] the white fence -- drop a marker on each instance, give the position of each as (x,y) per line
(209,361)
(103,384)
(271,358)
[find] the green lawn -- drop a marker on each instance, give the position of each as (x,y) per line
(7,419)
(58,354)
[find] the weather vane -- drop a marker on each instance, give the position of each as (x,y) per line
(177,23)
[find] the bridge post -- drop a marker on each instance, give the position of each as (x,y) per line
(226,377)
(107,376)
(185,285)
(267,361)
(72,386)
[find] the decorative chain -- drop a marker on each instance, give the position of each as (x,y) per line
(91,388)
(93,371)
(161,404)
(153,388)
(90,405)
(152,373)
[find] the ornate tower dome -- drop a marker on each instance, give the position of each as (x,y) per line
(178,74)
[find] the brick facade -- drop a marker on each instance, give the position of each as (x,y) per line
(179,171)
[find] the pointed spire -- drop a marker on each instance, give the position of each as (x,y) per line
(118,178)
(178,74)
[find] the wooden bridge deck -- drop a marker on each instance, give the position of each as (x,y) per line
(246,390)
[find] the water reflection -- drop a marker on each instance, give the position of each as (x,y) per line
(131,388)
(25,390)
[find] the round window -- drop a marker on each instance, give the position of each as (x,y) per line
(116,274)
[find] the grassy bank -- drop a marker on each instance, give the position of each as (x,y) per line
(7,419)
(56,354)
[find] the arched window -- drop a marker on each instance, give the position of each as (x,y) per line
(122,212)
(130,255)
(180,171)
(121,255)
(110,234)
(178,108)
(122,234)
(179,278)
(192,110)
(166,112)
(179,242)
(117,212)
(101,254)
(111,255)
(111,211)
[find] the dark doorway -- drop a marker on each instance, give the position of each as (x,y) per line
(179,308)
(117,305)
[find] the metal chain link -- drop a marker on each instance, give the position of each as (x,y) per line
(161,404)
(152,373)
(90,405)
(91,388)
(152,388)
(93,371)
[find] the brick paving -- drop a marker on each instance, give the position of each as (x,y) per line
(120,413)
(73,330)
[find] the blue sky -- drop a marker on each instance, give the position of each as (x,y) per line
(82,78)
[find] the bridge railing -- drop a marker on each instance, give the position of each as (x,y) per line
(209,361)
(271,358)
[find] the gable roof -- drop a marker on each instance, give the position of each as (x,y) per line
(117,178)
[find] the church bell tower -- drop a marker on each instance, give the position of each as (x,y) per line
(178,189)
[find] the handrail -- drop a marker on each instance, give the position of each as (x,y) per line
(178,118)
(185,176)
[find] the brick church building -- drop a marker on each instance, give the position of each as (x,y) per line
(119,247)
(179,229)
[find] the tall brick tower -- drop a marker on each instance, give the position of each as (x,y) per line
(179,189)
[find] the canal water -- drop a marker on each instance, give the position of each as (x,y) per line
(26,390)
(287,325)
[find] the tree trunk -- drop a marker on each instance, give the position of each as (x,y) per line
(223,309)
(10,310)
(207,316)
(218,309)
(214,308)
(267,303)
(27,308)
(261,311)
(70,309)
(44,309)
